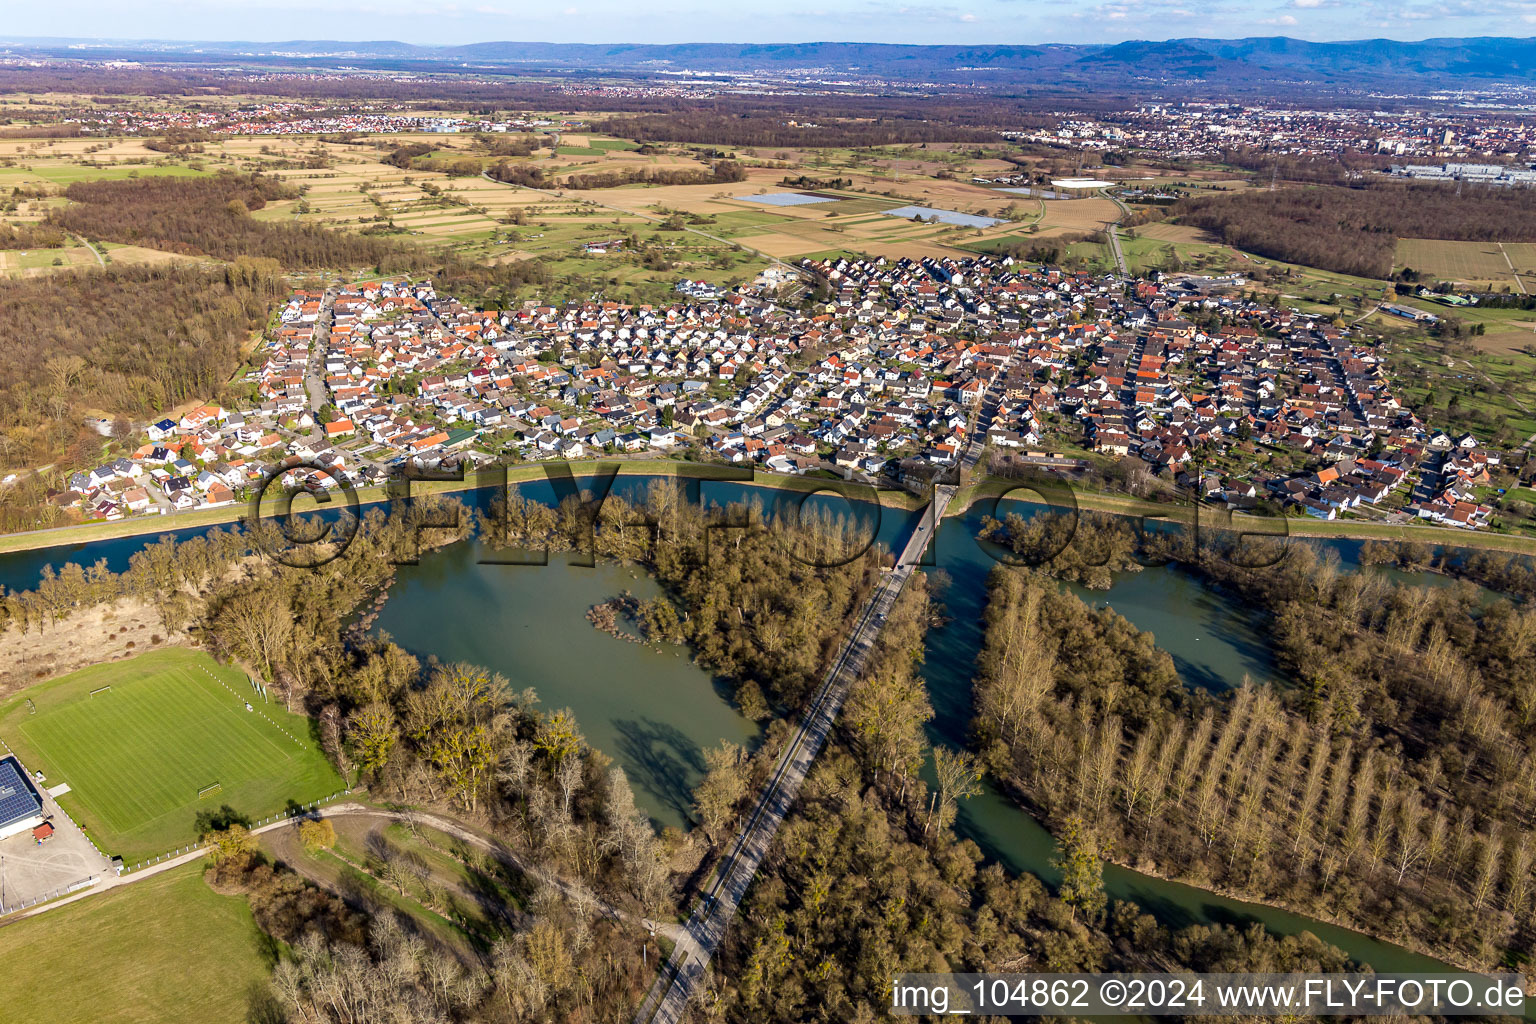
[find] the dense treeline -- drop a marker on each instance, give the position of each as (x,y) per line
(415,154)
(759,610)
(1088,548)
(807,182)
(432,90)
(867,879)
(490,285)
(290,631)
(716,124)
(887,706)
(1330,169)
(587,862)
(497,144)
(40,131)
(30,236)
(174,576)
(128,342)
(568,964)
(722,172)
(527,175)
(1508,574)
(285,907)
(457,735)
(211,216)
(1390,783)
(1355,230)
(405,155)
(182,141)
(853,893)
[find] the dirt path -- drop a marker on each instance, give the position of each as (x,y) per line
(1511,264)
(95,252)
(284,845)
(448,826)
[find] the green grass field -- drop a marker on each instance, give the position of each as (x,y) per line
(65,174)
(136,756)
(161,951)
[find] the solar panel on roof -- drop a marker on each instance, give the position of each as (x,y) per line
(18,800)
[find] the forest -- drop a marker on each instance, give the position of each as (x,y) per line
(122,342)
(760,613)
(717,124)
(1332,169)
(1355,230)
(211,216)
(1510,574)
(959,117)
(866,877)
(722,172)
(1385,777)
(1087,549)
(30,236)
(456,736)
(489,285)
(413,154)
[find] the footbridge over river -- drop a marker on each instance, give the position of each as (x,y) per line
(700,938)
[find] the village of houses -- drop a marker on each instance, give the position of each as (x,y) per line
(887,368)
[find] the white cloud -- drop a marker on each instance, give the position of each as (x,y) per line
(1283,20)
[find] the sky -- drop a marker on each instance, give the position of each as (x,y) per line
(669,21)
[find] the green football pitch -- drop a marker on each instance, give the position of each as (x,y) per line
(147,744)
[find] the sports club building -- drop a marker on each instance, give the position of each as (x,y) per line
(21,805)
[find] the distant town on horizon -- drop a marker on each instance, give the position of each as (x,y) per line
(528,533)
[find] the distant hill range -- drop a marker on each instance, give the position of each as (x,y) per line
(1236,65)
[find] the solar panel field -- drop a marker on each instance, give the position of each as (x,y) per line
(147,744)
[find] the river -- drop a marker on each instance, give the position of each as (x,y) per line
(654,711)
(1213,643)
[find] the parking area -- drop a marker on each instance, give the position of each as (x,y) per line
(31,872)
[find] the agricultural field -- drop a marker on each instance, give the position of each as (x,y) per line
(1490,392)
(1143,254)
(1077,216)
(1179,234)
(854,221)
(1493,264)
(143,953)
(148,743)
(32,262)
(1505,330)
(347,185)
